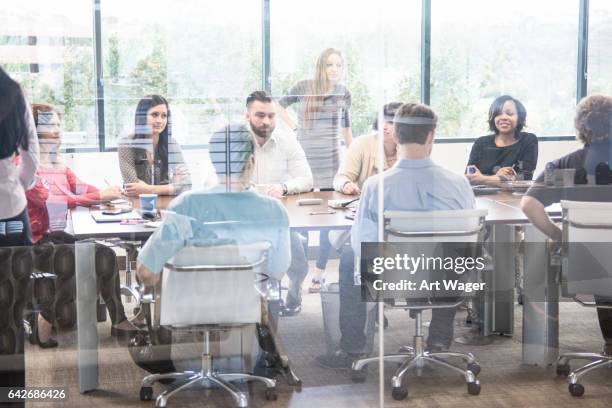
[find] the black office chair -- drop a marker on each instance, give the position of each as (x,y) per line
(15,270)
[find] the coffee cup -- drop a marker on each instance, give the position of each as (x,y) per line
(564,177)
(148,203)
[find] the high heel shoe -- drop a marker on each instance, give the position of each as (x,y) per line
(34,339)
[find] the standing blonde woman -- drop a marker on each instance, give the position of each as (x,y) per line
(323,114)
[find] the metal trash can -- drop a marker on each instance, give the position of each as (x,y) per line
(330,307)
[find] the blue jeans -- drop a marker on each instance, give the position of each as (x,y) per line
(298,269)
(353,312)
(16,231)
(324,248)
(352,309)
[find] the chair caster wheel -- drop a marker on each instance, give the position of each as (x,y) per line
(474,368)
(563,370)
(358,376)
(473,388)
(146,393)
(577,390)
(399,393)
(271,394)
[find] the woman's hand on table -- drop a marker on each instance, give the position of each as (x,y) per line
(110,193)
(140,187)
(507,173)
(350,188)
(476,177)
(275,190)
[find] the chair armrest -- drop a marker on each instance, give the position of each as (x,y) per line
(415,234)
(209,268)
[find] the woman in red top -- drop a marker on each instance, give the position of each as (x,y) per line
(57,188)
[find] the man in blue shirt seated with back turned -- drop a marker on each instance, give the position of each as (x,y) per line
(203,217)
(414,183)
(238,215)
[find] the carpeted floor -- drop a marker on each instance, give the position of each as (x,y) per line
(505,382)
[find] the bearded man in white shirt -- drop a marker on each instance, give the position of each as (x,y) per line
(280,169)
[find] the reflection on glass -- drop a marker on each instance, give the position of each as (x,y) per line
(380,45)
(600,38)
(202,58)
(477,56)
(49,51)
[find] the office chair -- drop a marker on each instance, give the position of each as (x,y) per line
(15,268)
(417,227)
(204,289)
(586,270)
(131,288)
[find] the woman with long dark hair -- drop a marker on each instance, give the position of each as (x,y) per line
(151,161)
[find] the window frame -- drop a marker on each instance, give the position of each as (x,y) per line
(266,80)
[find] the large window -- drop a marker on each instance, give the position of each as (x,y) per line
(48,48)
(600,47)
(380,43)
(204,57)
(482,49)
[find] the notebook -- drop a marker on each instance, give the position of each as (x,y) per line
(99,217)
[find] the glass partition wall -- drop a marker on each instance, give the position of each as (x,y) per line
(50,51)
(479,56)
(205,59)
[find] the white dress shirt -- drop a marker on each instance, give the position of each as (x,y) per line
(16,179)
(281,160)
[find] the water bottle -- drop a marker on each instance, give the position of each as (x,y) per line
(518,169)
(549,174)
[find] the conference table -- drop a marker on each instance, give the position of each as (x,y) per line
(503,209)
(84,226)
(540,323)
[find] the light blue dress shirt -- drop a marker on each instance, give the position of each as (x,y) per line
(410,185)
(204,218)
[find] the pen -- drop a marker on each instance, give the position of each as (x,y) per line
(121,189)
(349,202)
(322,212)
